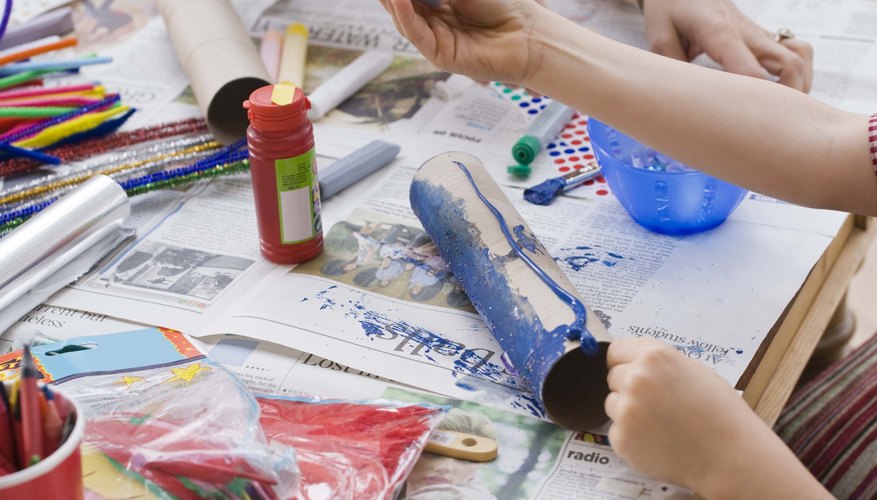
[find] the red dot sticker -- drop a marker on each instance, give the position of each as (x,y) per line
(580,132)
(573,158)
(567,136)
(588,157)
(578,167)
(563,169)
(559,161)
(602,192)
(576,142)
(601,180)
(570,125)
(583,122)
(589,183)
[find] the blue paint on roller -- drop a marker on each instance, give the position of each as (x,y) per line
(509,315)
(574,331)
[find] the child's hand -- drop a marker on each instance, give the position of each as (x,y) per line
(672,417)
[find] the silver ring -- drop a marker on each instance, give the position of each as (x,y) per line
(783,34)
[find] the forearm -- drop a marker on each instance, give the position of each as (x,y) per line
(756,465)
(731,126)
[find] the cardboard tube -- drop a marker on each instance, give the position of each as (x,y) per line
(525,315)
(219,58)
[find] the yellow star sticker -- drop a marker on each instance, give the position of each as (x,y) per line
(131,380)
(188,373)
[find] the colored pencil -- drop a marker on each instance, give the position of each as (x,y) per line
(52,423)
(28,404)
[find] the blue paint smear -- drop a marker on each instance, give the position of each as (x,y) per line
(424,343)
(507,363)
(579,261)
(370,328)
(463,385)
(527,240)
(492,394)
(509,316)
(697,351)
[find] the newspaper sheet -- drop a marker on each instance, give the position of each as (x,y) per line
(181,269)
(380,299)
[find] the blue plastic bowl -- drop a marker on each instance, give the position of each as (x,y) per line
(678,202)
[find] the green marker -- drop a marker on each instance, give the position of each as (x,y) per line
(543,130)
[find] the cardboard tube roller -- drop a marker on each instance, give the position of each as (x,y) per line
(529,305)
(219,58)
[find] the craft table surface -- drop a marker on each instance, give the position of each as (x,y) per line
(814,309)
(798,331)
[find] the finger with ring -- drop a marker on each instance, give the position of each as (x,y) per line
(783,34)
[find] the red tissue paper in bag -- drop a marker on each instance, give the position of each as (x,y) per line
(361,450)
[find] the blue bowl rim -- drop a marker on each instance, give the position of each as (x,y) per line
(631,167)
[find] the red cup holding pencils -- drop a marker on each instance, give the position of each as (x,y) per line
(53,471)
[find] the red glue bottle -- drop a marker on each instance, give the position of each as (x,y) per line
(284,171)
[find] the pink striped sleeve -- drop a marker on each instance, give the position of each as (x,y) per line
(872,140)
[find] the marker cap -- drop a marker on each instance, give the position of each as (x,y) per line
(355,166)
(520,170)
(321,103)
(526,149)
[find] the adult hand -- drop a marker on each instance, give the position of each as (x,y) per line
(484,39)
(684,29)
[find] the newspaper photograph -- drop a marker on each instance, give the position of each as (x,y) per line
(180,268)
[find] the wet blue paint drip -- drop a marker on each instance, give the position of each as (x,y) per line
(527,241)
(576,330)
(580,261)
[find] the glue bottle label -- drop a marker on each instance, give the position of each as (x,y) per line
(298,198)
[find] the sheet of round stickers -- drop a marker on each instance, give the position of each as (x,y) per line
(571,150)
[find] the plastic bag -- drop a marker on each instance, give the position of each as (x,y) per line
(361,450)
(163,421)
